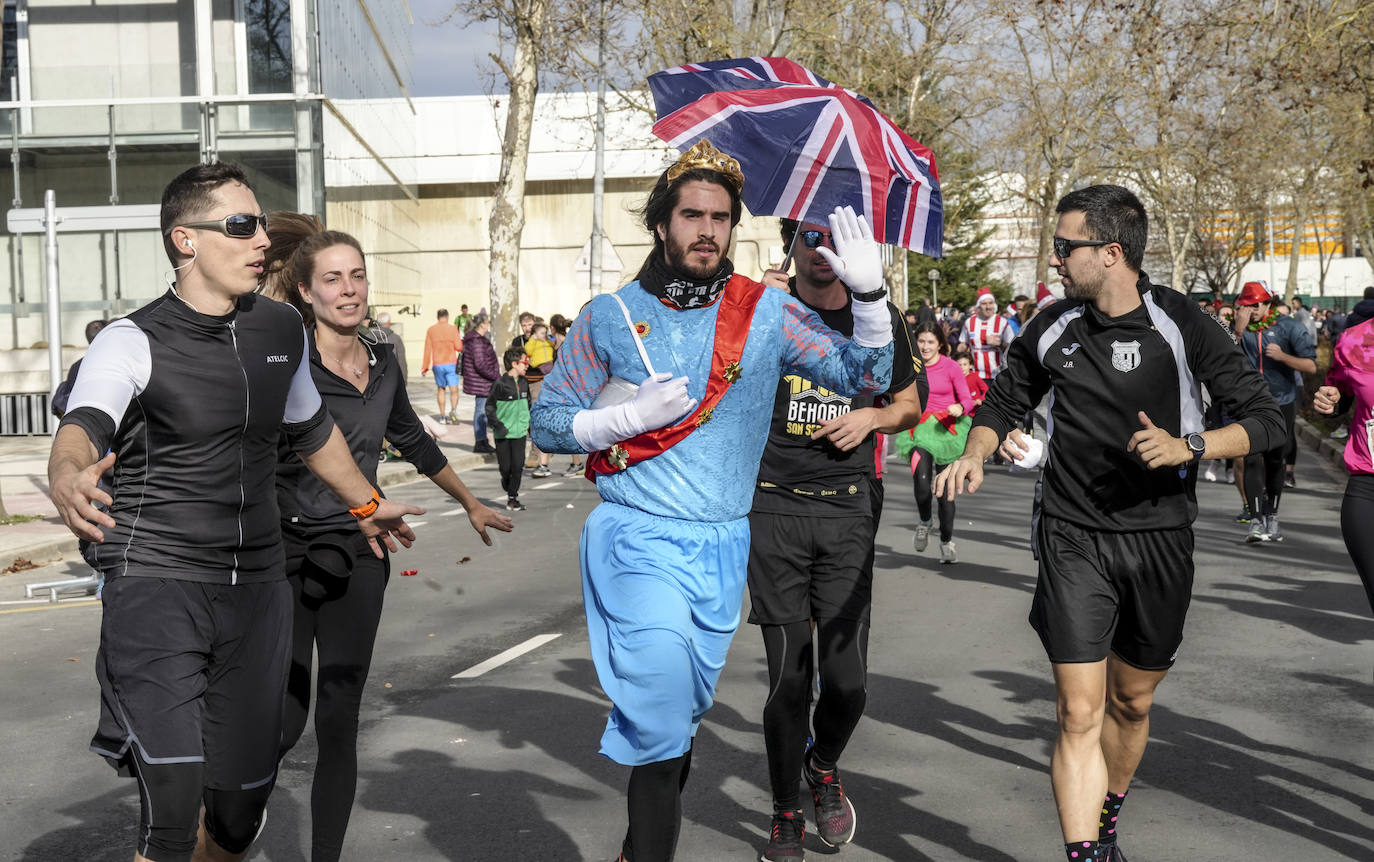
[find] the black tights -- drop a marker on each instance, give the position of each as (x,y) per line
(1264,471)
(342,629)
(1357,514)
(654,801)
(844,675)
(925,469)
(171,796)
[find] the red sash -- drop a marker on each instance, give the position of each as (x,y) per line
(736,313)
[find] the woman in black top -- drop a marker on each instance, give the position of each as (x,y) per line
(337,582)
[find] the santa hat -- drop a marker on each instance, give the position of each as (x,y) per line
(983,292)
(1253,293)
(1043,297)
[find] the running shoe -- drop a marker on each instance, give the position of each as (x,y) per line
(947,553)
(785,837)
(1271,529)
(1244,516)
(922,536)
(1340,433)
(572,471)
(482,447)
(835,818)
(1289,480)
(1257,532)
(1210,474)
(515,505)
(541,472)
(453,417)
(443,420)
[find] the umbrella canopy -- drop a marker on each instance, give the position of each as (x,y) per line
(806,146)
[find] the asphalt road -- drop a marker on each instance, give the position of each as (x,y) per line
(1261,737)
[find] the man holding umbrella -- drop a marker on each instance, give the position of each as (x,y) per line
(664,556)
(816,507)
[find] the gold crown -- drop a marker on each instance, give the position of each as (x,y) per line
(704,155)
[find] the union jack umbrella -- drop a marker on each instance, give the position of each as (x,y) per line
(805,145)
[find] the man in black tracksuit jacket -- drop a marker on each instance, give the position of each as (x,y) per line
(1123,361)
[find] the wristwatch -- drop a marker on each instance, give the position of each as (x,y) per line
(1196,445)
(870,296)
(366,509)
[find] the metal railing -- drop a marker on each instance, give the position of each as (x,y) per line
(25,414)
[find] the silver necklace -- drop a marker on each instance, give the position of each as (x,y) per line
(357,372)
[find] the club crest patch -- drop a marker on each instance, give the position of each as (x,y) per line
(1125,355)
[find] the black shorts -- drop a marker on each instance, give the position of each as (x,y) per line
(194,673)
(1127,593)
(803,568)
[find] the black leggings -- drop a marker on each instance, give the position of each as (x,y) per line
(1357,514)
(654,801)
(342,629)
(844,693)
(925,470)
(170,798)
(1264,471)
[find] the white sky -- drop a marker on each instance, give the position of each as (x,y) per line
(451,59)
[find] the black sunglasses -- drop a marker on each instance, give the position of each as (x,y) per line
(241,225)
(814,238)
(1064,247)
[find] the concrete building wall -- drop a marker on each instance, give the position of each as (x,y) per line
(448,268)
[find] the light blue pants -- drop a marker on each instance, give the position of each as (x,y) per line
(663,601)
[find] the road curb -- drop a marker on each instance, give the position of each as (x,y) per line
(1331,450)
(42,552)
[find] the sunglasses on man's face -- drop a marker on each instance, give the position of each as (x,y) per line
(1064,247)
(814,238)
(241,225)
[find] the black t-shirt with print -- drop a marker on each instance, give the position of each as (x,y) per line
(799,475)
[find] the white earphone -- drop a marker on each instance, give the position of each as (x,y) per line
(188,244)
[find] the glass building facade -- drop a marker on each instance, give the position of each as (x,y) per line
(104,103)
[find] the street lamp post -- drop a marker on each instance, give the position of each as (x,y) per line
(934,275)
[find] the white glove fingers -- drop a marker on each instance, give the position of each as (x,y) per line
(865,230)
(836,262)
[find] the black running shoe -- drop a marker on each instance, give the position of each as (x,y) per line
(835,818)
(1244,516)
(785,837)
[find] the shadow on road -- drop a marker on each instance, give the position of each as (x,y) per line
(107,831)
(473,813)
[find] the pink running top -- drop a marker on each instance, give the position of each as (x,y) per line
(1352,372)
(947,385)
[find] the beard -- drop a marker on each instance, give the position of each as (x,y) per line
(680,258)
(1086,291)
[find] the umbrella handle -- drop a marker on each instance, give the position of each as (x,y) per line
(787,258)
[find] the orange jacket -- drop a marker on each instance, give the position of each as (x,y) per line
(441,346)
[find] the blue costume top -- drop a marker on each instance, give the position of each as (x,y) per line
(710,475)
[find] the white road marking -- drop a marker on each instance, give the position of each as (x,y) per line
(414,524)
(501,658)
(25,602)
(452,513)
(546,486)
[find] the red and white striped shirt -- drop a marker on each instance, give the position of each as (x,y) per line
(986,339)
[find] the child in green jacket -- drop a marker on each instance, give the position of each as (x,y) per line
(508,416)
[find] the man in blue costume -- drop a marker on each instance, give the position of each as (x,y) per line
(664,557)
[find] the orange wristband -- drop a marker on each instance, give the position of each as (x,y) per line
(366,509)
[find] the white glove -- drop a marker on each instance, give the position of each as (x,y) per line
(660,401)
(856,258)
